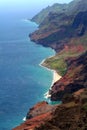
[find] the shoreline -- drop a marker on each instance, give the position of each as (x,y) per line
(56,77)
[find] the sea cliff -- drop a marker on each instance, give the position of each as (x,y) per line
(65,32)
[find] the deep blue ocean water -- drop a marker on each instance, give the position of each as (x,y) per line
(22,81)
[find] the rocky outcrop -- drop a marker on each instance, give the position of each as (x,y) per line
(70,89)
(68,116)
(74,7)
(38,109)
(37,115)
(44,13)
(68,26)
(55,31)
(73,80)
(59,27)
(34,122)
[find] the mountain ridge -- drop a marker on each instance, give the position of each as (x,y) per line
(57,29)
(65,32)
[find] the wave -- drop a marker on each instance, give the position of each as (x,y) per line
(47,95)
(24,119)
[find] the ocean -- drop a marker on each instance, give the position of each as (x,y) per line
(23,81)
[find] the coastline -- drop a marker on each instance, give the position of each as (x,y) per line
(56,77)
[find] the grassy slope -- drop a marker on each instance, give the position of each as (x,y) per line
(58,62)
(44,13)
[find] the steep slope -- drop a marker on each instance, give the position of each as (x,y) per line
(44,13)
(58,28)
(36,116)
(54,30)
(73,80)
(72,8)
(68,116)
(72,90)
(58,62)
(63,28)
(77,6)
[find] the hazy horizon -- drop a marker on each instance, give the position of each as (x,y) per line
(25,7)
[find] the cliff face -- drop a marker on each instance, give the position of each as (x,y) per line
(65,31)
(73,80)
(63,28)
(37,115)
(72,90)
(38,109)
(44,13)
(58,28)
(69,9)
(68,116)
(80,23)
(54,31)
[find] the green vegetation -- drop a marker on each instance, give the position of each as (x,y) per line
(39,18)
(80,41)
(58,62)
(72,8)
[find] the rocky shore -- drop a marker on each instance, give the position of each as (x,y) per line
(65,32)
(72,91)
(37,115)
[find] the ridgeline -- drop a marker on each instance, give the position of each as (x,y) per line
(63,27)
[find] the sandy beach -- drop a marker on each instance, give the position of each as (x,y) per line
(56,77)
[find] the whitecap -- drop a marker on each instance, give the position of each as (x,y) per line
(24,119)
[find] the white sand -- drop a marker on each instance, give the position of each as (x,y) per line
(56,77)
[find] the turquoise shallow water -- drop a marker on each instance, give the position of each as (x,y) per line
(22,81)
